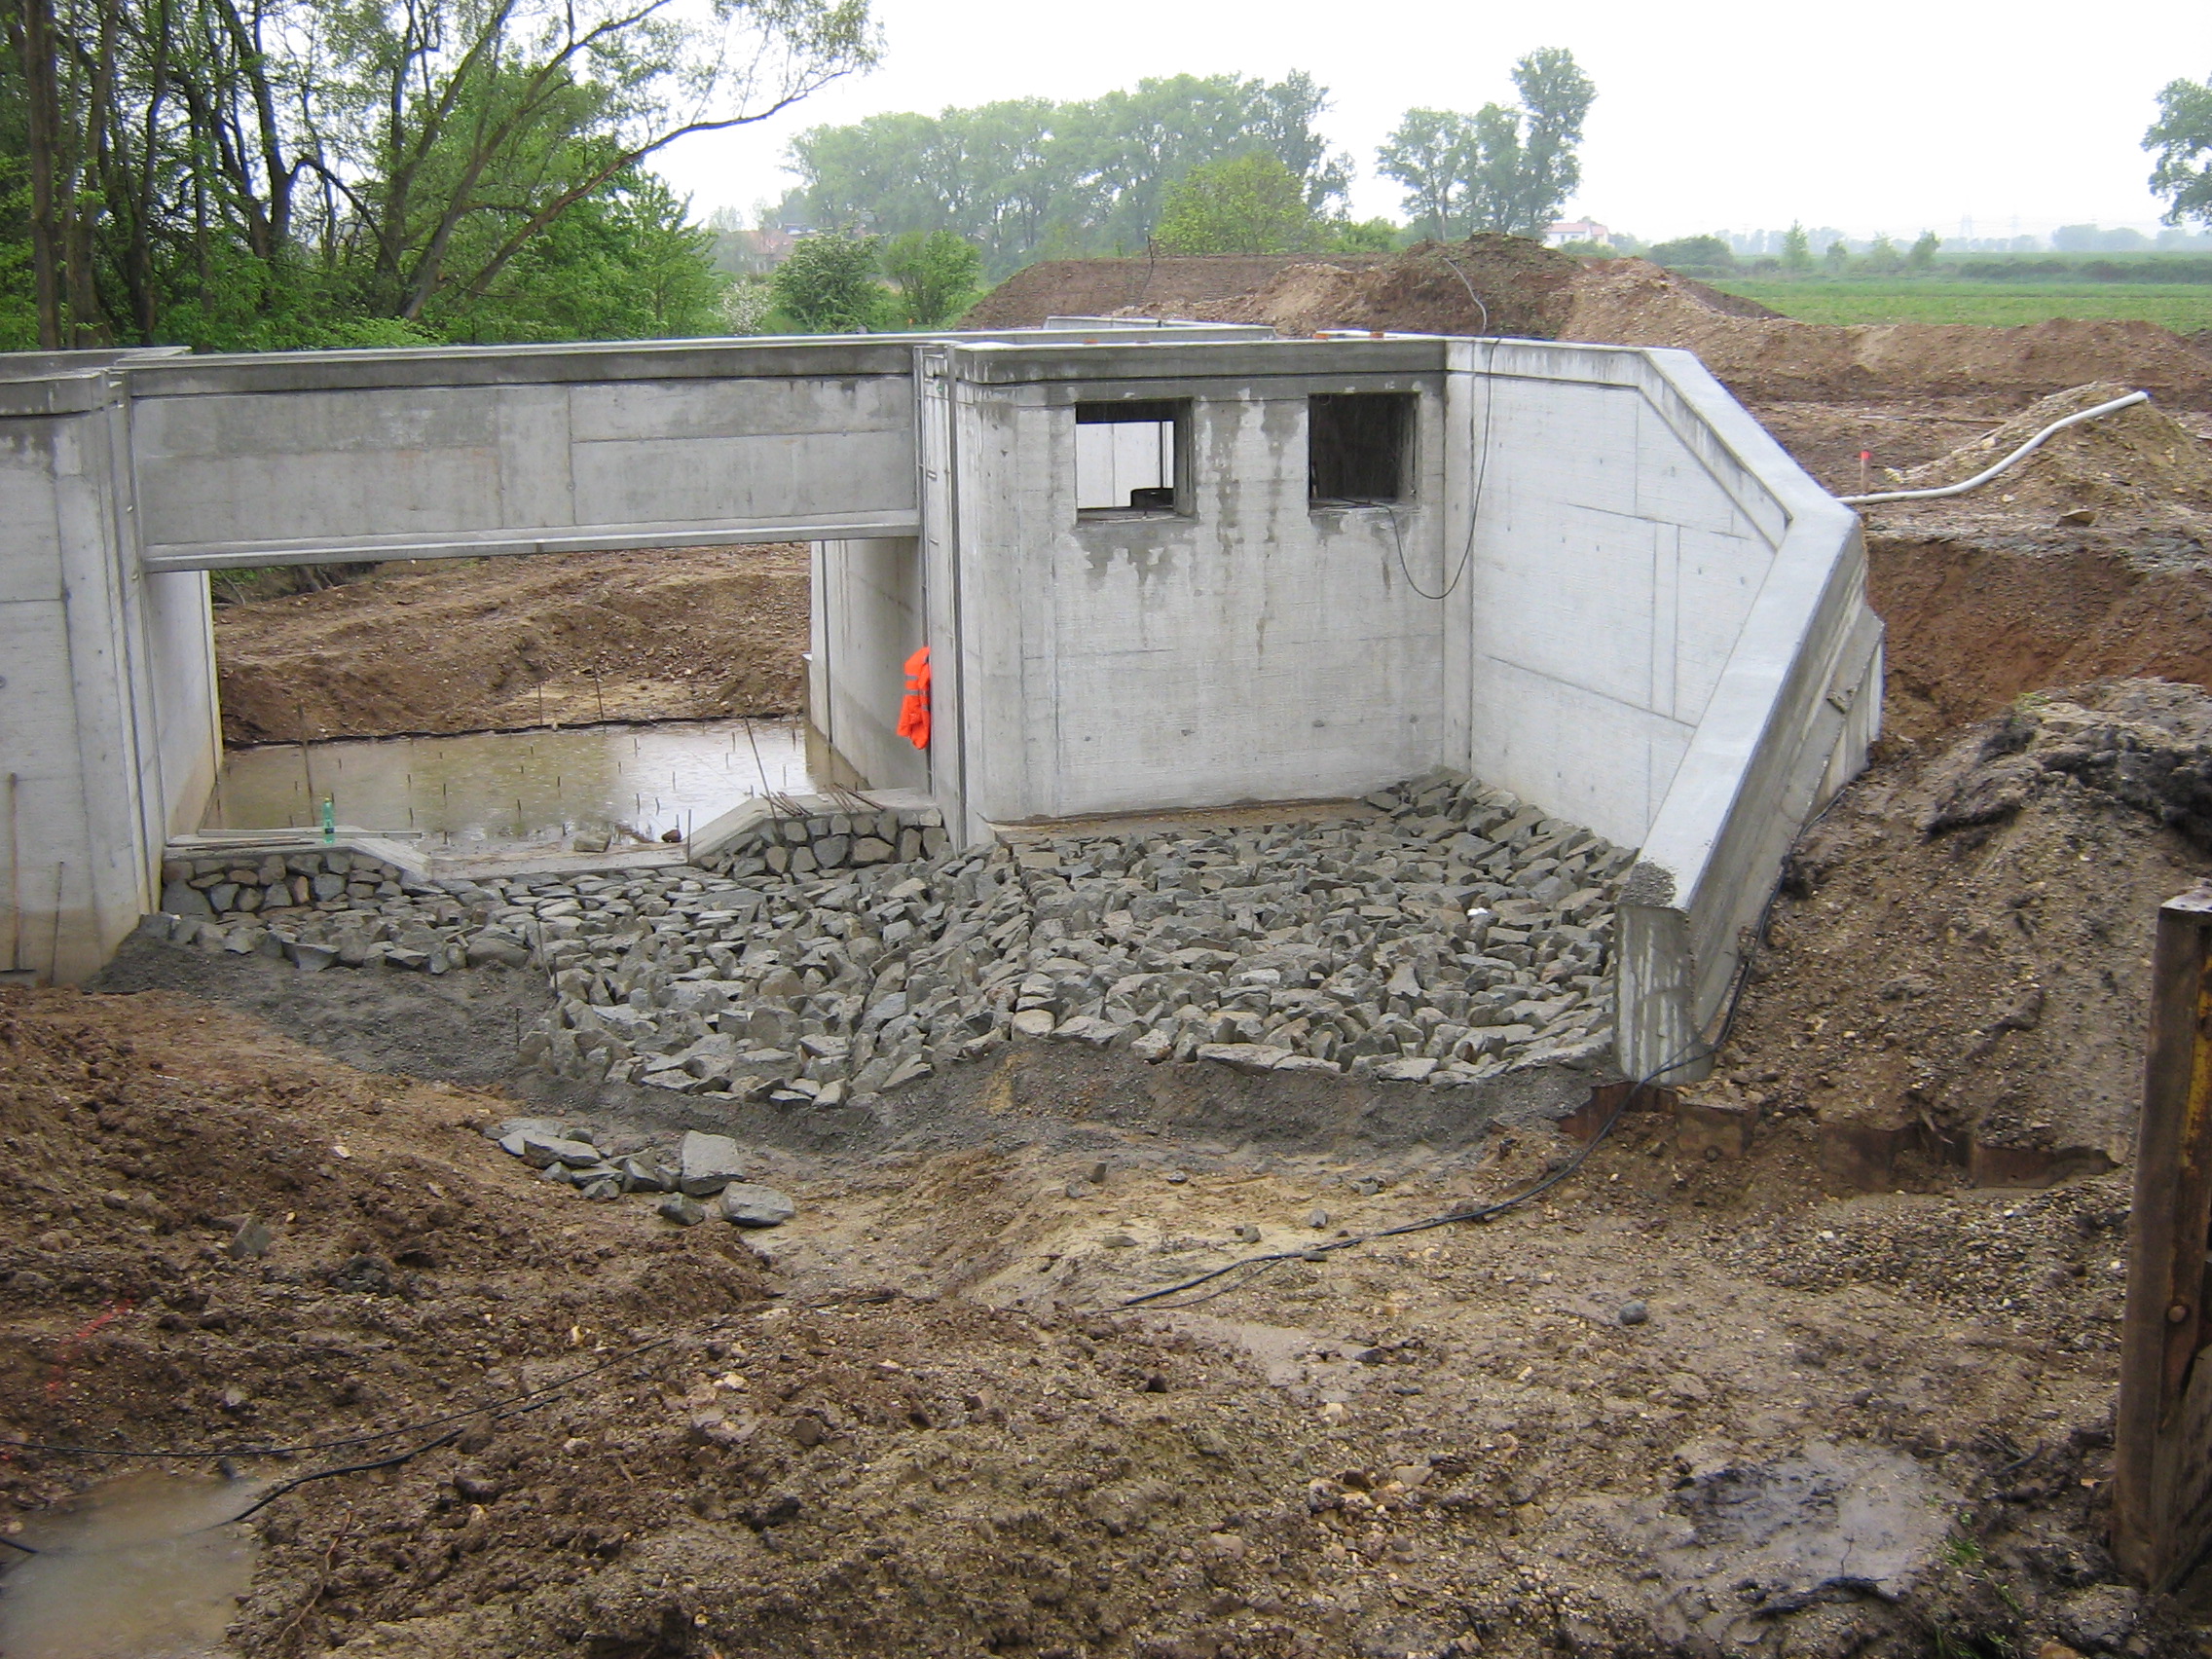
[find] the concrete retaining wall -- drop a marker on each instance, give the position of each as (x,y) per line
(107,718)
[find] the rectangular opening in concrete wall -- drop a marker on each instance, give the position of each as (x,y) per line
(1129,457)
(1360,447)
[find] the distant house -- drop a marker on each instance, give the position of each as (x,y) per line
(1576,231)
(754,251)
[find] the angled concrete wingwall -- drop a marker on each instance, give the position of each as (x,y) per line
(1661,632)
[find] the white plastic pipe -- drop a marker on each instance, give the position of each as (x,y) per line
(2020,455)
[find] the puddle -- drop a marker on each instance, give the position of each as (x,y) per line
(540,789)
(126,1571)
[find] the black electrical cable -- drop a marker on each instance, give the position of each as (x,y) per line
(521,1407)
(277,1492)
(1479,1213)
(1481,461)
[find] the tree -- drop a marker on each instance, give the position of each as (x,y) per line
(624,264)
(1030,178)
(1796,250)
(1837,257)
(1251,205)
(259,172)
(1499,169)
(1702,252)
(1922,258)
(828,286)
(1430,155)
(937,275)
(1367,236)
(1882,257)
(1554,101)
(2182,137)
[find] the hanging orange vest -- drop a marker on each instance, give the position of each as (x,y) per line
(914,707)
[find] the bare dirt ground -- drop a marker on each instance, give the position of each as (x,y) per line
(501,643)
(916,1420)
(1878,1260)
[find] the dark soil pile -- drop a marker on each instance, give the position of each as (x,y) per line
(1193,286)
(1488,284)
(2008,886)
(1974,622)
(501,643)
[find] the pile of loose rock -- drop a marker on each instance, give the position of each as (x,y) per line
(698,1166)
(1457,933)
(800,844)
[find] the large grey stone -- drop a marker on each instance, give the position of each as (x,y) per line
(749,1205)
(540,1150)
(707,1163)
(180,900)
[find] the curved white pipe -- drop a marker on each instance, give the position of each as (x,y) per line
(2021,454)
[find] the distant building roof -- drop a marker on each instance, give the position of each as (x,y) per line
(1575,230)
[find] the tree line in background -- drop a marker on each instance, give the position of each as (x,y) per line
(1032,179)
(1188,164)
(248,174)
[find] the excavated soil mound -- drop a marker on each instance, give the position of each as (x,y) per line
(1973,624)
(674,634)
(1535,292)
(1430,288)
(1633,303)
(1192,287)
(2137,457)
(2008,886)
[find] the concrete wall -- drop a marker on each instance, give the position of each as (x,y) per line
(1666,637)
(1607,590)
(253,460)
(1611,571)
(108,730)
(867,620)
(1251,647)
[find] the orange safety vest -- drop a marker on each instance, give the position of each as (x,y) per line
(914,707)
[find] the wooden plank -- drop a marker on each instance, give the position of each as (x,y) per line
(2162,1477)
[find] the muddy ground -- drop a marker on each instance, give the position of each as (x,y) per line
(1877,1260)
(918,1419)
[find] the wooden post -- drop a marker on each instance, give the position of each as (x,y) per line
(2162,1437)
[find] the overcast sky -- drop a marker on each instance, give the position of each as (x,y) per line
(1883,115)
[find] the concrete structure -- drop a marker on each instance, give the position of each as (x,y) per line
(1155,568)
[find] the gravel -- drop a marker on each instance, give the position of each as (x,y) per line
(1456,935)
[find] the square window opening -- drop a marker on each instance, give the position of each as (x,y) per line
(1360,447)
(1130,459)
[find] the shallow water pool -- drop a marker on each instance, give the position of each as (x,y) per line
(628,784)
(141,1566)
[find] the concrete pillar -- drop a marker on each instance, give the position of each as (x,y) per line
(108,733)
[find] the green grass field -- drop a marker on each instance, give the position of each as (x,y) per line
(2181,307)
